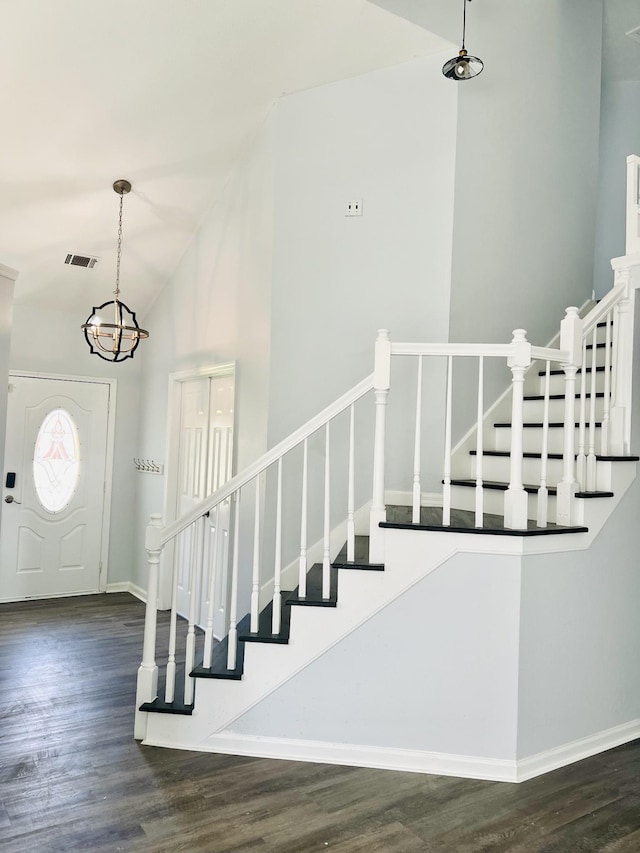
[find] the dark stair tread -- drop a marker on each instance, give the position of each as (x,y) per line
(499,486)
(561,372)
(560,396)
(159,706)
(264,633)
(218,668)
(506,454)
(600,345)
(538,425)
(314,597)
(531,490)
(361,555)
(463,521)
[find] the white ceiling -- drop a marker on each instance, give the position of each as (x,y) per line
(165,93)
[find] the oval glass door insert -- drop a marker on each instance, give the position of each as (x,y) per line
(56,461)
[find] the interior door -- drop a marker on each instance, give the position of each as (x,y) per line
(55,473)
(205,456)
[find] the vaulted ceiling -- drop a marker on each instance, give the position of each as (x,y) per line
(165,93)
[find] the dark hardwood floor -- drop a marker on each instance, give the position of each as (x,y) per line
(73,779)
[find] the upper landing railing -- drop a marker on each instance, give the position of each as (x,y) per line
(633,205)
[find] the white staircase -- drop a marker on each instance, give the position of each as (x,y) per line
(540,473)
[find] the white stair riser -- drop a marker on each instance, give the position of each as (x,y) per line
(532,437)
(498,467)
(557,384)
(534,409)
(464,497)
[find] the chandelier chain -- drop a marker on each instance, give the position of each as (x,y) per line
(119,250)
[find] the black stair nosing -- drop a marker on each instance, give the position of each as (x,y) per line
(540,397)
(558,456)
(314,596)
(586,495)
(599,369)
(485,531)
(498,486)
(539,425)
(599,345)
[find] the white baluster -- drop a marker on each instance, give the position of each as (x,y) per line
(190,651)
(232,638)
(417,491)
(213,557)
(515,499)
(542,514)
(351,490)
(326,539)
(277,594)
(170,684)
(591,458)
(255,581)
(604,433)
(381,382)
(446,474)
(147,681)
(571,343)
(302,562)
(581,460)
(480,446)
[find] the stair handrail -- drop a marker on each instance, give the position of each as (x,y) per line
(170,531)
(602,308)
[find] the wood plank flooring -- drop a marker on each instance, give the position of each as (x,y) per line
(73,779)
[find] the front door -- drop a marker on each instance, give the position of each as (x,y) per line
(54,488)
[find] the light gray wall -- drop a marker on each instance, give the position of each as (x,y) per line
(52,342)
(214,309)
(526,167)
(436,670)
(580,637)
(619,137)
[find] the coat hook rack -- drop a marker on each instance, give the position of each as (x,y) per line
(148,466)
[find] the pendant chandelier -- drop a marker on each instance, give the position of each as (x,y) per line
(117,340)
(463,66)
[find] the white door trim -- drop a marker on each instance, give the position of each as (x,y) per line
(227,368)
(108,465)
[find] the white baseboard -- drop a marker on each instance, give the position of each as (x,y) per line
(414,761)
(128,586)
(568,753)
(395,498)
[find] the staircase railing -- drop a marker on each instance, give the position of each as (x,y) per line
(212,553)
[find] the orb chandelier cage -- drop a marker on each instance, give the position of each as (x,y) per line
(117,340)
(463,66)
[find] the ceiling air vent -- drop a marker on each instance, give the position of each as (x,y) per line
(634,35)
(81,261)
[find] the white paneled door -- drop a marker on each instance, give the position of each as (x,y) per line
(54,487)
(205,456)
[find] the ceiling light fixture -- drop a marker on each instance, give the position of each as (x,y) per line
(118,340)
(463,66)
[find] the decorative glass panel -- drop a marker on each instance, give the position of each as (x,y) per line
(56,461)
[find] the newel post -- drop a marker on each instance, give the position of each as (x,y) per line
(381,384)
(571,343)
(621,379)
(516,499)
(147,685)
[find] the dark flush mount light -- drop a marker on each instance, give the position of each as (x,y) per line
(117,340)
(463,66)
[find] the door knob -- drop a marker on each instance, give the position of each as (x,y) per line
(11,500)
